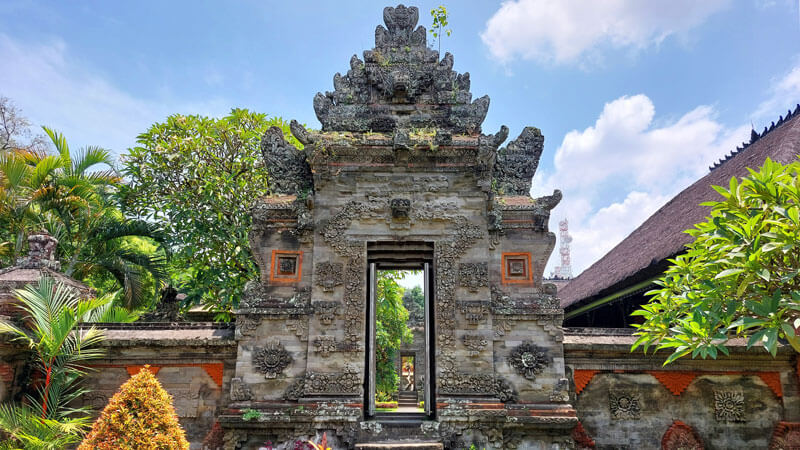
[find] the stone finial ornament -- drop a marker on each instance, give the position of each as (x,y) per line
(41,252)
(288,168)
(517,162)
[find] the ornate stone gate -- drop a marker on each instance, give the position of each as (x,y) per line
(401,158)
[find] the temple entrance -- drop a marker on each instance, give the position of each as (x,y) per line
(399,339)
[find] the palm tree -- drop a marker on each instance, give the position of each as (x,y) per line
(53,330)
(64,194)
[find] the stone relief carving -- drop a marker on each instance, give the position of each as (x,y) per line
(329,275)
(247,324)
(401,208)
(501,326)
(454,382)
(326,311)
(299,326)
(473,276)
(528,360)
(240,391)
(272,359)
(288,168)
(325,345)
(346,382)
(729,405)
(624,405)
(474,343)
(474,312)
(680,436)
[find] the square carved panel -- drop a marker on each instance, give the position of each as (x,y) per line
(517,268)
(287,266)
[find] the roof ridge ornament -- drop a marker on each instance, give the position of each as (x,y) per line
(401,83)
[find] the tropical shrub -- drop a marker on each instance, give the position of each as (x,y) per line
(739,278)
(140,416)
(52,316)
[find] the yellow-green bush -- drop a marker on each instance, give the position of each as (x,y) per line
(139,416)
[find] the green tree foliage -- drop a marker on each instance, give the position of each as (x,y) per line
(53,314)
(391,329)
(439,24)
(62,193)
(414,301)
(739,278)
(196,177)
(139,416)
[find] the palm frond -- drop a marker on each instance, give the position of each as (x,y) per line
(60,143)
(89,157)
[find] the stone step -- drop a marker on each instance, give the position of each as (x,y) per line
(400,445)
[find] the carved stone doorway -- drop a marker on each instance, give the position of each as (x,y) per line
(395,255)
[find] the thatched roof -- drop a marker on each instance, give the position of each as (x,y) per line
(643,253)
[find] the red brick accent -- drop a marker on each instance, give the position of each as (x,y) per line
(581,437)
(133,370)
(675,381)
(214,370)
(773,380)
(6,373)
(681,436)
(582,378)
(785,436)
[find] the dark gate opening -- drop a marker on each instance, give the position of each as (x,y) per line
(415,395)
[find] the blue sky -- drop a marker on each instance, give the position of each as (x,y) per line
(635,99)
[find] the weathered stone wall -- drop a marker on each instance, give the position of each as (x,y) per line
(629,401)
(194,365)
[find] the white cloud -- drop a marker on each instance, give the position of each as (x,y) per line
(54,88)
(617,172)
(565,31)
(784,94)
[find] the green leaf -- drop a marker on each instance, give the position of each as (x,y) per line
(728,273)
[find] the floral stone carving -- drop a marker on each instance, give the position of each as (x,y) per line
(729,406)
(329,275)
(528,360)
(624,405)
(473,276)
(272,359)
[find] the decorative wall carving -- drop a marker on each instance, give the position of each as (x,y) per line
(247,324)
(401,209)
(329,275)
(346,382)
(325,345)
(474,312)
(729,405)
(299,327)
(501,326)
(454,382)
(473,276)
(272,359)
(680,436)
(528,360)
(517,162)
(240,391)
(624,405)
(326,311)
(474,343)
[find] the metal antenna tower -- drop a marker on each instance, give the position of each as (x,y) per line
(564,271)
